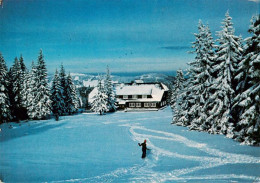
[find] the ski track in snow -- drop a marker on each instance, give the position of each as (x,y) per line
(122,121)
(221,158)
(145,172)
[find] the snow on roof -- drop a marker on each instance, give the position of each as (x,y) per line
(157,94)
(121,101)
(92,94)
(165,87)
(139,81)
(155,90)
(134,90)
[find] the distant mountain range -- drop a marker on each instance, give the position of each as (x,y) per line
(89,80)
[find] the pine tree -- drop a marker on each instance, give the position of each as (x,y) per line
(178,86)
(248,127)
(194,95)
(56,95)
(72,103)
(200,77)
(63,85)
(25,88)
(186,99)
(23,67)
(188,112)
(15,88)
(206,78)
(240,84)
(109,91)
(99,104)
(31,93)
(176,97)
(228,55)
(43,93)
(5,113)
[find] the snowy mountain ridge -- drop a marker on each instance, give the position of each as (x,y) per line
(91,80)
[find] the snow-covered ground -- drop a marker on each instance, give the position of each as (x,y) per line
(93,148)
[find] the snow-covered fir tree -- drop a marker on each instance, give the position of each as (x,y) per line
(5,113)
(191,110)
(109,89)
(200,78)
(24,74)
(248,126)
(63,85)
(66,100)
(176,97)
(26,89)
(25,94)
(15,88)
(228,55)
(240,85)
(31,92)
(208,61)
(56,95)
(43,92)
(178,86)
(23,67)
(187,112)
(222,93)
(72,102)
(99,104)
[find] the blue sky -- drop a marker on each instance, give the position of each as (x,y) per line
(127,35)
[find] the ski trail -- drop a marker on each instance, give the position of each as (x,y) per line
(123,121)
(210,178)
(221,158)
(145,173)
(112,176)
(234,158)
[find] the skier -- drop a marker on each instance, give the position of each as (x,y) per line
(144,148)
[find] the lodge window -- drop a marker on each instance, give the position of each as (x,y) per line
(146,105)
(138,104)
(144,96)
(125,97)
(153,104)
(131,104)
(134,96)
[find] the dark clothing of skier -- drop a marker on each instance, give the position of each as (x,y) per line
(144,148)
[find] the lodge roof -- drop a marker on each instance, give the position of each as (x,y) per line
(156,90)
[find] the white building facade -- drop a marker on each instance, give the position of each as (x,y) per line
(139,96)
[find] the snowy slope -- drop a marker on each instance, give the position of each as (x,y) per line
(93,148)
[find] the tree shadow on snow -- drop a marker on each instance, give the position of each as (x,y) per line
(29,129)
